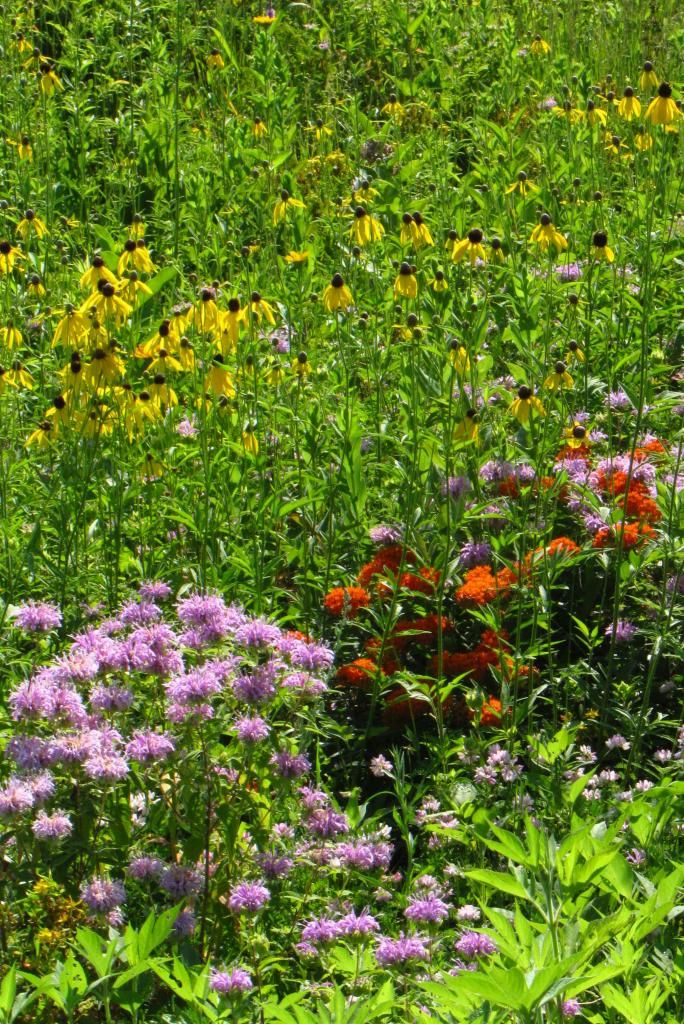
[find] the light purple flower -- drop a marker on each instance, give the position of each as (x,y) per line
(380,766)
(102,895)
(390,952)
(622,630)
(248,897)
(430,909)
(144,868)
(618,400)
(154,590)
(321,930)
(147,746)
(179,881)
(37,617)
(468,913)
(51,826)
(290,766)
(571,1008)
(474,944)
(230,983)
(111,698)
(455,487)
(185,924)
(384,535)
(252,730)
(474,553)
(358,925)
(16,798)
(617,742)
(186,428)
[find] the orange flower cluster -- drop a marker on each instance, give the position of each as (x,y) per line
(387,560)
(482,586)
(490,712)
(424,582)
(633,535)
(358,674)
(346,601)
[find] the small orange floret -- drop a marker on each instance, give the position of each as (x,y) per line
(359,674)
(490,712)
(633,535)
(387,560)
(346,601)
(563,546)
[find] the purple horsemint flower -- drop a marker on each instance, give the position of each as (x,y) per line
(364,855)
(636,857)
(303,685)
(455,487)
(468,913)
(111,698)
(248,898)
(496,470)
(571,1008)
(321,930)
(101,895)
(355,925)
(53,826)
(144,868)
(139,613)
(106,767)
(430,910)
(185,924)
(305,656)
(385,535)
(252,730)
(313,798)
(230,983)
(42,786)
(258,633)
(37,617)
(274,866)
(147,746)
(186,428)
(154,590)
(390,952)
(152,649)
(474,553)
(16,798)
(326,823)
(27,752)
(380,767)
(290,766)
(622,630)
(617,742)
(474,944)
(180,881)
(618,401)
(259,685)
(569,271)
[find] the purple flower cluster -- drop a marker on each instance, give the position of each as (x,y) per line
(37,617)
(391,952)
(248,898)
(230,983)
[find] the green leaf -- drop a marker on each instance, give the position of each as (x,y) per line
(500,880)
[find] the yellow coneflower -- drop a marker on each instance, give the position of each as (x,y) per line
(285,203)
(228,333)
(275,374)
(49,82)
(25,149)
(8,257)
(560,378)
(648,78)
(104,368)
(365,229)
(365,193)
(293,257)
(107,304)
(522,184)
(10,336)
(136,229)
(468,429)
(214,60)
(71,329)
(162,339)
(142,410)
(59,413)
(162,394)
(98,271)
(545,235)
(205,315)
(164,362)
(573,114)
(219,380)
(576,436)
(629,105)
(409,233)
(596,115)
(405,283)
(260,308)
(34,286)
(319,129)
(525,404)
(40,437)
(642,140)
(539,47)
(600,248)
(136,253)
(616,147)
(439,282)
(186,354)
(19,377)
(98,335)
(458,357)
(259,129)
(393,107)
(31,224)
(336,295)
(265,19)
(301,365)
(574,353)
(72,375)
(471,246)
(3,379)
(132,287)
(497,254)
(249,441)
(663,109)
(22,43)
(99,421)
(423,231)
